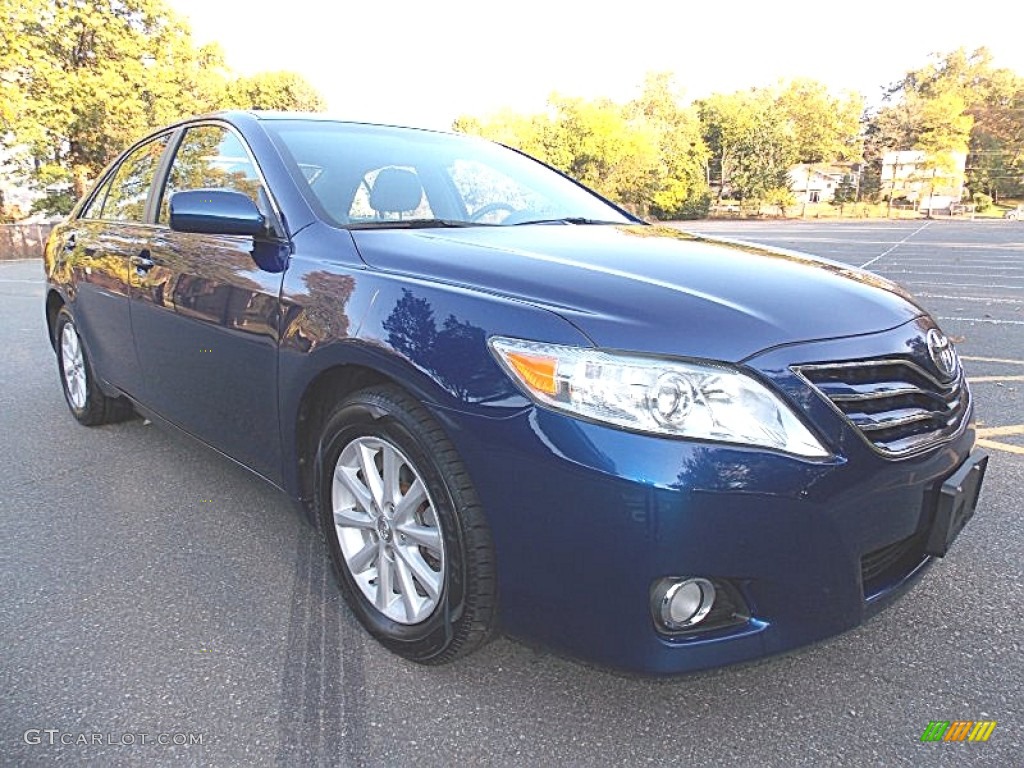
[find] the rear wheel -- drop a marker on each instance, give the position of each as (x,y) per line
(405,530)
(82,392)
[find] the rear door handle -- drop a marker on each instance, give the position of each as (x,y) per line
(142,262)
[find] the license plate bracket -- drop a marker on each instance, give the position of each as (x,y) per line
(958,499)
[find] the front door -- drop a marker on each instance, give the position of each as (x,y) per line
(205,314)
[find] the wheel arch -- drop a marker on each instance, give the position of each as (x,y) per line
(54,303)
(328,388)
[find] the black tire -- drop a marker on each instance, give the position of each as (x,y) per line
(465,613)
(88,405)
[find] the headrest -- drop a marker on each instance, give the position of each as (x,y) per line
(395,190)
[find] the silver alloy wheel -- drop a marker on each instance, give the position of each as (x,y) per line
(387,529)
(73,363)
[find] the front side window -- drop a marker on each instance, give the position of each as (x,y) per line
(129,190)
(210,157)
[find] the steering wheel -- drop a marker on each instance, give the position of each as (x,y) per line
(491,208)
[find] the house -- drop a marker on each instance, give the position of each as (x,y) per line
(927,181)
(817,182)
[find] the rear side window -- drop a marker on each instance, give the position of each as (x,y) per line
(94,210)
(129,189)
(210,157)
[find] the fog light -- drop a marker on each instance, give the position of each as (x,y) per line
(682,603)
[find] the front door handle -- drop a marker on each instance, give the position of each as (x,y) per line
(142,262)
(69,244)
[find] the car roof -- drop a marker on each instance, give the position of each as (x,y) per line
(320,117)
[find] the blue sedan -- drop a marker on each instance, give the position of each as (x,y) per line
(506,403)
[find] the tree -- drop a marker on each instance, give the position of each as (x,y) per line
(993,98)
(274,91)
(88,77)
(683,178)
(943,132)
(596,143)
(824,127)
(647,155)
(845,192)
(892,128)
(752,144)
(81,79)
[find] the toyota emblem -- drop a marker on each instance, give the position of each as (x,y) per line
(942,353)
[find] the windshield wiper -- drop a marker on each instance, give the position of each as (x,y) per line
(568,220)
(414,224)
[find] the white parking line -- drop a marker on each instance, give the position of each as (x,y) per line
(964,258)
(905,262)
(934,284)
(989,320)
(953,269)
(988,299)
(868,263)
(1019,247)
(1006,360)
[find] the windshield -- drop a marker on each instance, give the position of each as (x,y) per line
(364,176)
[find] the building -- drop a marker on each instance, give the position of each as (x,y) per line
(933,182)
(817,182)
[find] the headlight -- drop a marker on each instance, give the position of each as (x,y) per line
(707,401)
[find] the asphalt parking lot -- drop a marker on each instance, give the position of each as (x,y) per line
(150,588)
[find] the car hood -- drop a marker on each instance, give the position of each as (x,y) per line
(652,289)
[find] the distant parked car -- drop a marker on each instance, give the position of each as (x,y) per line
(1015,214)
(508,403)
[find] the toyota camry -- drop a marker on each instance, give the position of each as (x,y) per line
(508,404)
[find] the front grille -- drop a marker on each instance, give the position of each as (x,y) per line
(895,404)
(880,568)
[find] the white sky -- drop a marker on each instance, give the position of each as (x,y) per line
(424,63)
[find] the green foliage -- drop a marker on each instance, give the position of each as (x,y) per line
(274,91)
(781,197)
(823,127)
(990,102)
(54,203)
(81,79)
(845,192)
(982,202)
(682,188)
(753,145)
(647,155)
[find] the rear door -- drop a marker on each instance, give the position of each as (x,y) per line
(101,243)
(206,314)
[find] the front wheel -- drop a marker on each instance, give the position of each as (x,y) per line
(82,392)
(405,530)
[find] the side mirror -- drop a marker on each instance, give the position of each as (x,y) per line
(216,212)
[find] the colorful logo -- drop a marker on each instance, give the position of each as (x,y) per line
(958,730)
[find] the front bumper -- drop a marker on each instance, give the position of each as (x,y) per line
(586,518)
